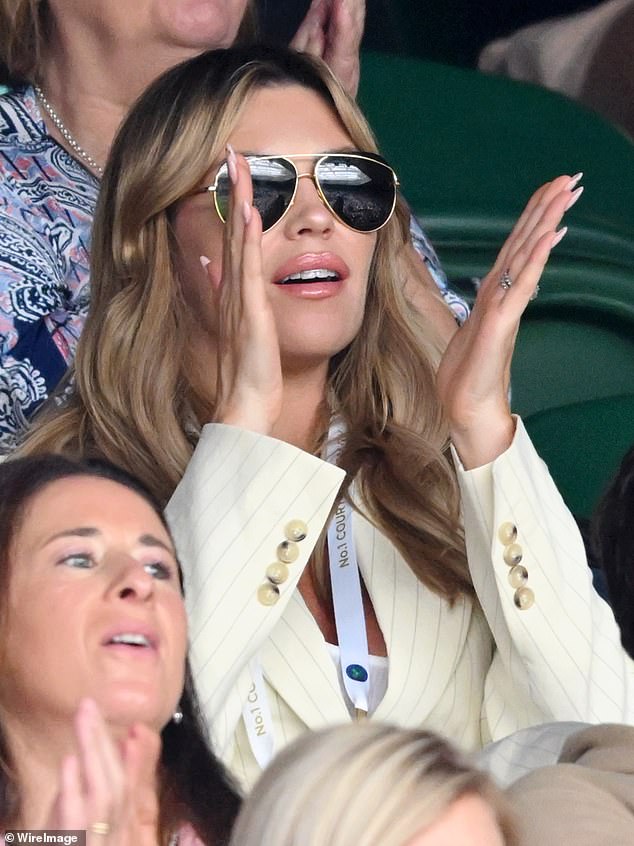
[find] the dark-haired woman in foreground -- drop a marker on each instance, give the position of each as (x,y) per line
(259,378)
(98,725)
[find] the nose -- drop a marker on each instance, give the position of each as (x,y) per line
(308,213)
(130,581)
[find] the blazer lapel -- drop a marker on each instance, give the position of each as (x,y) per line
(423,635)
(424,639)
(296,662)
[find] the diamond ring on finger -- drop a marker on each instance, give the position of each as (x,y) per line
(505,280)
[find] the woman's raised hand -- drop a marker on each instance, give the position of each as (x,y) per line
(332,31)
(109,791)
(474,375)
(249,383)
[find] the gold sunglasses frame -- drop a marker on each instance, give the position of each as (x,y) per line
(319,158)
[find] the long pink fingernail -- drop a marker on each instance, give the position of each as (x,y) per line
(232,164)
(574,180)
(573,199)
(558,236)
(204,261)
(247,212)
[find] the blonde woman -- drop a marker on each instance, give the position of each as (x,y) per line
(260,379)
(74,68)
(373,785)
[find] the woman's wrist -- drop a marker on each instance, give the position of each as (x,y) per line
(251,421)
(478,445)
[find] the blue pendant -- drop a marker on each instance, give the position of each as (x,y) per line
(356,672)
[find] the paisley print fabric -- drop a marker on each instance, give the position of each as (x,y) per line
(47,202)
(424,248)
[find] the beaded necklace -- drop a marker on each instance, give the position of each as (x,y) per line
(66,133)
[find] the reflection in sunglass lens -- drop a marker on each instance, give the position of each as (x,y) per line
(273,186)
(360,192)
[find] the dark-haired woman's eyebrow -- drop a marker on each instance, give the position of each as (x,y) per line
(79,531)
(92,531)
(151,540)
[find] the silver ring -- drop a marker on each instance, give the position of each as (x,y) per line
(535,293)
(505,280)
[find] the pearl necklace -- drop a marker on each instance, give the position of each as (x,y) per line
(66,134)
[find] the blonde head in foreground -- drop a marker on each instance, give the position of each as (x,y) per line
(373,785)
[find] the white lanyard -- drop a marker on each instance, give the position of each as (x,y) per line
(349,620)
(257,717)
(347,597)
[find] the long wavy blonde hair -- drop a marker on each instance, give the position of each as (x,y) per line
(134,396)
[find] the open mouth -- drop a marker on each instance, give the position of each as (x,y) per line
(321,274)
(135,640)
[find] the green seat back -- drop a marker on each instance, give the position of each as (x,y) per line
(469,150)
(576,343)
(583,445)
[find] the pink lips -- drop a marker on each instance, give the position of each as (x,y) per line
(312,261)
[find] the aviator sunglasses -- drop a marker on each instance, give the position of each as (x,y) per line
(358,188)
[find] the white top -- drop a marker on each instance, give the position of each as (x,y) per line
(379,671)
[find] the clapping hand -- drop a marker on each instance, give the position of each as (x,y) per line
(332,30)
(106,788)
(249,379)
(474,375)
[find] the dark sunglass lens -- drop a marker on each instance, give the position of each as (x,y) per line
(360,191)
(273,186)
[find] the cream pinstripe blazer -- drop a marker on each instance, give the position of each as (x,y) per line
(476,672)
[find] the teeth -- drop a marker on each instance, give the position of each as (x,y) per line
(309,275)
(131,639)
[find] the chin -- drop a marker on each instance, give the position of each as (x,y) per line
(200,25)
(135,705)
(308,352)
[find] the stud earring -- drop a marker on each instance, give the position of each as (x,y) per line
(177,716)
